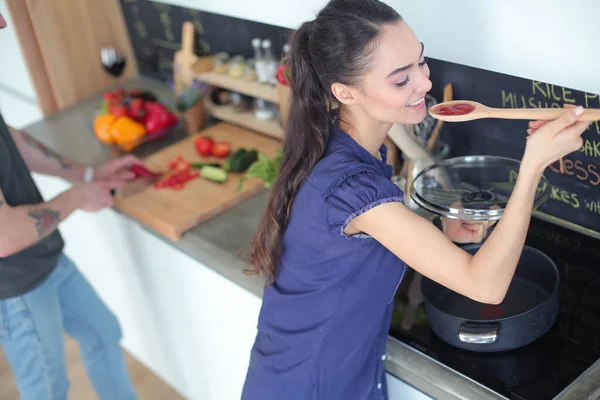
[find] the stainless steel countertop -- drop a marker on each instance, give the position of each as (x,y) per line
(220,242)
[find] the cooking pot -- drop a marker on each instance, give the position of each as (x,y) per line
(477,188)
(528,311)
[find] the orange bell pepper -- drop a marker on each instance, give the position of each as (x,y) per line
(102,128)
(127,133)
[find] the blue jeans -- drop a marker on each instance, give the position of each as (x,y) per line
(32,330)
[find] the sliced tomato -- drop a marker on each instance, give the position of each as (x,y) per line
(221,149)
(204,145)
(160,184)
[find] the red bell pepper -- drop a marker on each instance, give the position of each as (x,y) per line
(118,110)
(141,171)
(137,111)
(284,72)
(158,117)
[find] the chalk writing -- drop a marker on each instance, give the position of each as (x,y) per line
(592,100)
(556,193)
(165,63)
(591,148)
(556,238)
(195,14)
(165,44)
(139,26)
(592,205)
(545,95)
(203,45)
(564,196)
(585,172)
(165,20)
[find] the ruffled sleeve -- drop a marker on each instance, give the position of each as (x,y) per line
(355,194)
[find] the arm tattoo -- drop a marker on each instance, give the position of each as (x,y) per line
(46,220)
(46,151)
(1,203)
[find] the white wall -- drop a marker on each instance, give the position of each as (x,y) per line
(550,40)
(18,103)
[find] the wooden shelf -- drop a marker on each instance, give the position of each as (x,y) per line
(253,89)
(245,119)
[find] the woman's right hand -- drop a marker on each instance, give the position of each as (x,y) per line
(549,141)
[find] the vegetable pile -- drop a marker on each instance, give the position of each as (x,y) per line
(127,117)
(264,168)
(284,74)
(180,172)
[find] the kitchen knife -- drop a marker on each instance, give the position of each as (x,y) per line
(143,179)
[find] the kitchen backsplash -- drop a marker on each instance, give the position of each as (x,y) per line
(155,30)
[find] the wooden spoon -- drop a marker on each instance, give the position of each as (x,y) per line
(438,127)
(466,110)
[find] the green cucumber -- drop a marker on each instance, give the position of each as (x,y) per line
(200,165)
(228,166)
(242,162)
(213,174)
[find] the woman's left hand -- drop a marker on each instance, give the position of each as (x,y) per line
(463,232)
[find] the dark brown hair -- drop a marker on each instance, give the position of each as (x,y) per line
(335,47)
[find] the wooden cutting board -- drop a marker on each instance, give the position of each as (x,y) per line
(70,35)
(170,212)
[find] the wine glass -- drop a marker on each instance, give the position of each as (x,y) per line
(113,62)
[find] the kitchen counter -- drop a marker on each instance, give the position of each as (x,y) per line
(219,244)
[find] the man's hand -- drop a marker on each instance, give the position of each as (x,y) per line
(116,170)
(95,196)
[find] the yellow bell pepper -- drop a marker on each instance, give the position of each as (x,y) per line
(127,133)
(103,128)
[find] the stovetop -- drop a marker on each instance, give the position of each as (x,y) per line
(544,368)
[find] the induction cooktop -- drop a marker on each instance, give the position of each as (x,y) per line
(544,368)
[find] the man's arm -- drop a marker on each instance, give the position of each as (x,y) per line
(41,159)
(28,224)
(25,225)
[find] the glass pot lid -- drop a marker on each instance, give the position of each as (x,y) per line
(471,187)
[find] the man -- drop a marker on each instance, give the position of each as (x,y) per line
(42,294)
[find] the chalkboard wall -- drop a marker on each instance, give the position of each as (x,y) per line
(576,193)
(155,31)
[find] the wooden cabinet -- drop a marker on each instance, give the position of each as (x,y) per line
(61,42)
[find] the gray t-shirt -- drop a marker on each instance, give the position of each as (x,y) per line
(23,271)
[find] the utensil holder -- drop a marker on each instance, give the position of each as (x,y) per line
(194,118)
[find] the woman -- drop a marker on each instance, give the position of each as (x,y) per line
(335,237)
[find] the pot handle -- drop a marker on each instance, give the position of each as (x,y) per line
(478,333)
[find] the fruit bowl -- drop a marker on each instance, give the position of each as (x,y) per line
(128,119)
